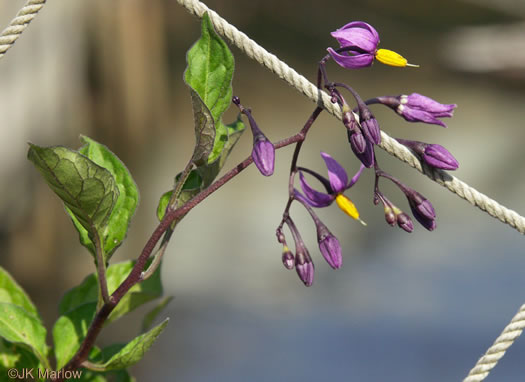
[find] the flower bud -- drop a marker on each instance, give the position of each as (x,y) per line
(371,130)
(429,224)
(404,221)
(369,125)
(329,246)
(419,108)
(288,258)
(263,154)
(390,216)
(280,236)
(432,154)
(439,157)
(304,265)
(357,141)
(422,209)
(420,204)
(367,156)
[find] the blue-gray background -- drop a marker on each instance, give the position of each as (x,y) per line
(404,307)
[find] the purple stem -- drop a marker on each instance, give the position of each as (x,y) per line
(136,273)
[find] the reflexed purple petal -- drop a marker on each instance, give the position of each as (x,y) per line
(336,173)
(352,62)
(439,157)
(355,178)
(314,198)
(357,33)
(263,155)
(331,251)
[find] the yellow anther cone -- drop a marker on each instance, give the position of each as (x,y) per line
(389,57)
(348,207)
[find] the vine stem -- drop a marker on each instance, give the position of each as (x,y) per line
(137,275)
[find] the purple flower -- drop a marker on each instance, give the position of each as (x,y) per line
(358,47)
(335,185)
(433,154)
(418,108)
(263,154)
(360,41)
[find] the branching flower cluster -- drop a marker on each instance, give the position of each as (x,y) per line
(358,48)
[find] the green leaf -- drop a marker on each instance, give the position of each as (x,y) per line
(91,376)
(11,292)
(210,69)
(13,356)
(70,330)
(22,328)
(221,137)
(152,315)
(235,130)
(204,175)
(204,129)
(121,357)
(209,74)
(117,226)
(87,291)
(88,190)
(16,356)
(191,187)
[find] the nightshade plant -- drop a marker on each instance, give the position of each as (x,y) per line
(100,197)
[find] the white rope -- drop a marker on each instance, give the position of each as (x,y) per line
(299,82)
(22,19)
(486,363)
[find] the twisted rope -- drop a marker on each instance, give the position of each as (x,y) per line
(486,363)
(22,19)
(390,145)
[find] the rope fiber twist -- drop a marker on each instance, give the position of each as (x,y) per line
(253,50)
(22,19)
(493,354)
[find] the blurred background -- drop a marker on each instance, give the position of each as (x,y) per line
(404,307)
